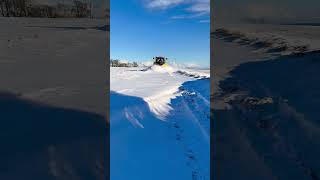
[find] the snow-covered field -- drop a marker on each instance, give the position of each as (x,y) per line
(265,106)
(55,61)
(52,79)
(160,123)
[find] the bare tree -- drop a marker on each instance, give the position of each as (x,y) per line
(20,7)
(115,63)
(14,7)
(7,5)
(135,64)
(81,8)
(29,8)
(2,7)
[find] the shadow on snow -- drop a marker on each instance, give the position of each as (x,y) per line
(39,141)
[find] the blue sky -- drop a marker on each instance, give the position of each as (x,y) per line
(177,29)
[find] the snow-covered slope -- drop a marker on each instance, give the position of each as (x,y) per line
(272,38)
(52,106)
(271,123)
(156,85)
(160,123)
(275,112)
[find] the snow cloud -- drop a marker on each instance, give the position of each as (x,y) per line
(163,4)
(200,7)
(204,21)
(194,9)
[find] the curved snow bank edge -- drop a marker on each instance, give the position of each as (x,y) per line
(268,42)
(160,104)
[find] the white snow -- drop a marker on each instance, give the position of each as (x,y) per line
(284,39)
(156,85)
(52,98)
(55,61)
(159,124)
(272,126)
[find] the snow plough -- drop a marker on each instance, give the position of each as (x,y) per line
(159,60)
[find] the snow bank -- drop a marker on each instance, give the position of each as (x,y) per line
(146,148)
(195,73)
(281,39)
(156,85)
(277,116)
(273,124)
(162,69)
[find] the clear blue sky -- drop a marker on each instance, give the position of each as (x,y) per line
(177,29)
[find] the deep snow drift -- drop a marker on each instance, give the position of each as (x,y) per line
(156,85)
(265,108)
(272,38)
(159,124)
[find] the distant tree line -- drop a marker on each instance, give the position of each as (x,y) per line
(29,8)
(118,63)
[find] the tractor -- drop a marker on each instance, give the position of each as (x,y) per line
(159,60)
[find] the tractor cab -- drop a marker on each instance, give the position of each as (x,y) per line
(159,60)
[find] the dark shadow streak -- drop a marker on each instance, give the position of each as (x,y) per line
(101,28)
(39,141)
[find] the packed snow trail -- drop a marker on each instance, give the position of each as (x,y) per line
(168,143)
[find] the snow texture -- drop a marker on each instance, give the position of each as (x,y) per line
(156,85)
(160,124)
(270,90)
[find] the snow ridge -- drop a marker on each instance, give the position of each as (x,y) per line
(156,85)
(266,42)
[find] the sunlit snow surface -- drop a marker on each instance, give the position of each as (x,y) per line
(159,121)
(156,85)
